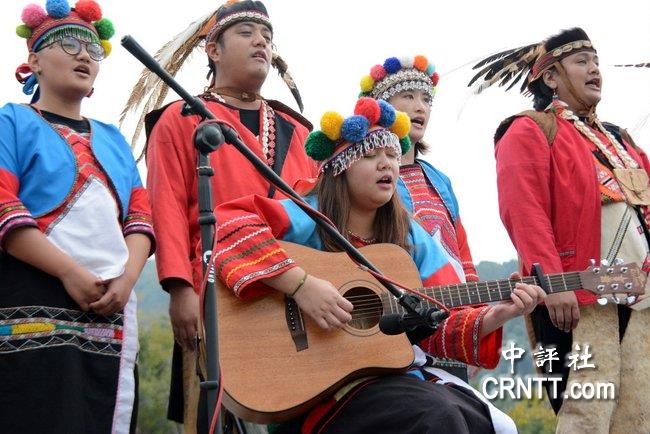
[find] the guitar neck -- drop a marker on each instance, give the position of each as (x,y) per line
(469,293)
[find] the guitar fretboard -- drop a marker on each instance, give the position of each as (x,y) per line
(469,293)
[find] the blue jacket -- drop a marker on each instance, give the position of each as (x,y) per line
(45,166)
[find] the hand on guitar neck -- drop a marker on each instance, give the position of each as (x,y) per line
(316,297)
(523,300)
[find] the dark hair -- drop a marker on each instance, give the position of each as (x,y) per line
(542,94)
(391,223)
(420,148)
(211,66)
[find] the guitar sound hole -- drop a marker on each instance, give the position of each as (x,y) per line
(367,308)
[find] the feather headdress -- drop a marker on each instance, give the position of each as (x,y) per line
(150,91)
(527,62)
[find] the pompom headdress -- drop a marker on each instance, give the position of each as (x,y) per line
(342,141)
(151,91)
(396,75)
(41,26)
(528,62)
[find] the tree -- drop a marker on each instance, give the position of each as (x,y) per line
(154,372)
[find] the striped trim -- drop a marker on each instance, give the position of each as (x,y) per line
(241,240)
(235,220)
(243,254)
(443,339)
(234,231)
(256,261)
(462,336)
(265,272)
(476,333)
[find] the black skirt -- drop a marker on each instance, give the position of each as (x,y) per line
(62,370)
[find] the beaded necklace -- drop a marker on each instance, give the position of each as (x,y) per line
(267,133)
(633,180)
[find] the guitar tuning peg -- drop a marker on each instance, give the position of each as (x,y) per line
(614,298)
(602,301)
(604,263)
(618,261)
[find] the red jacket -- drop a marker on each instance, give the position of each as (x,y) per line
(549,199)
(173,184)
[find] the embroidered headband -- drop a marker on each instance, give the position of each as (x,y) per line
(400,74)
(57,21)
(236,11)
(547,60)
(528,62)
(374,125)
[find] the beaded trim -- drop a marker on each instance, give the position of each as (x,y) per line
(267,138)
(372,240)
(239,16)
(406,79)
(627,160)
(377,139)
(553,56)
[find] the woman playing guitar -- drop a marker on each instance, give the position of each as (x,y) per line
(359,169)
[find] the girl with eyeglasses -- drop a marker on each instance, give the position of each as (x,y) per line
(75,232)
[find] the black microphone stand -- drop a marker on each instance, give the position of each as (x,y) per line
(208,137)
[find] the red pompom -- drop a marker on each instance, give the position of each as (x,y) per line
(368,108)
(434,79)
(88,10)
(377,72)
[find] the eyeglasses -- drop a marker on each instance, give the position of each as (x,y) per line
(72,46)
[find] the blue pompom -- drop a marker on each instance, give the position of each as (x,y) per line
(57,8)
(387,117)
(430,69)
(392,65)
(354,128)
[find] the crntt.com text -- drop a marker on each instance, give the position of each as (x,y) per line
(532,387)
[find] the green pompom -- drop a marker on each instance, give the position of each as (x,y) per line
(105,28)
(405,144)
(23,31)
(318,146)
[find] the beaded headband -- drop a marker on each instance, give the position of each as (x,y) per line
(398,75)
(43,26)
(58,20)
(236,11)
(341,142)
(547,60)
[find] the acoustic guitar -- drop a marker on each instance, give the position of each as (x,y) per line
(277,363)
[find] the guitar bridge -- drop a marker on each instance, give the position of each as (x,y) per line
(295,323)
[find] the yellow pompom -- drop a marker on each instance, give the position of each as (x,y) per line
(330,125)
(402,125)
(367,83)
(107,47)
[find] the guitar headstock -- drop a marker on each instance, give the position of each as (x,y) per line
(614,279)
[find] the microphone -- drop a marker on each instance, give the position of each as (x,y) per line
(416,326)
(391,324)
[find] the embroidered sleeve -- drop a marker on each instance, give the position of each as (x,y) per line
(246,249)
(465,255)
(13,213)
(138,220)
(458,338)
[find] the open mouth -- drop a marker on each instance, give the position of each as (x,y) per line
(594,83)
(386,179)
(83,69)
(417,121)
(260,55)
